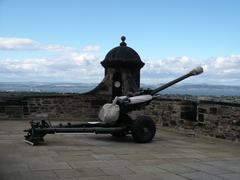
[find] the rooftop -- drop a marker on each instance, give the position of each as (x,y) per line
(122,56)
(88,156)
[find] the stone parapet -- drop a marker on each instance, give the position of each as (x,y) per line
(217,119)
(75,107)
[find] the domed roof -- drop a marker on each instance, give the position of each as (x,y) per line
(122,56)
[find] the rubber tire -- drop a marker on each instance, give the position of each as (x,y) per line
(143,129)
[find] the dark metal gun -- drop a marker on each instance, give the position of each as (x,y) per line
(194,72)
(142,129)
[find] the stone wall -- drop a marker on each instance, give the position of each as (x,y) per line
(221,120)
(167,112)
(75,107)
(216,119)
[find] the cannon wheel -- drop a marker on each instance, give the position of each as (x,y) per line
(144,129)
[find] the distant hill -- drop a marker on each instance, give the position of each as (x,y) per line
(46,87)
(182,89)
(201,89)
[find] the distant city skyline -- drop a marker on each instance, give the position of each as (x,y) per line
(65,41)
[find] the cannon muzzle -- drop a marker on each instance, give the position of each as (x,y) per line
(194,72)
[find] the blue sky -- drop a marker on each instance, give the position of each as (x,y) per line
(165,33)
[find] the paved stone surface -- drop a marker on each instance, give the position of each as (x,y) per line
(100,157)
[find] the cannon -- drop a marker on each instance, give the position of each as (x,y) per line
(113,118)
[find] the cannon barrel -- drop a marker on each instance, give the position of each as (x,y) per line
(194,72)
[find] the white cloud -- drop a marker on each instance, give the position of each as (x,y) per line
(228,65)
(91,48)
(169,67)
(56,69)
(69,64)
(17,43)
(220,70)
(55,47)
(12,43)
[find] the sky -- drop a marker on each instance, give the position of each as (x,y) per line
(65,41)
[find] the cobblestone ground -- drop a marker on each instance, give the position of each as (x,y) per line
(170,156)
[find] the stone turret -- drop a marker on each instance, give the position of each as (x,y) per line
(122,70)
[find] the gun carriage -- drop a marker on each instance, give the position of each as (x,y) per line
(113,118)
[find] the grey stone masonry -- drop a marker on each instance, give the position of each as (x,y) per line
(221,120)
(216,119)
(80,107)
